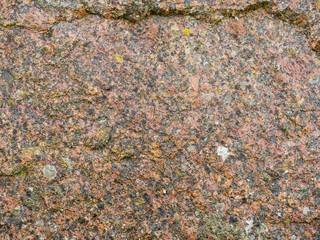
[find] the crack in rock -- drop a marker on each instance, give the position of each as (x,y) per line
(135,11)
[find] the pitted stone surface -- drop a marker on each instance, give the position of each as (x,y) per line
(162,120)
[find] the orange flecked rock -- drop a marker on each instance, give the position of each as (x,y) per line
(159,119)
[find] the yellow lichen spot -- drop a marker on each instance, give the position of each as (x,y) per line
(187,31)
(102,130)
(287,222)
(11,102)
(291,51)
(43,144)
(119,58)
(140,201)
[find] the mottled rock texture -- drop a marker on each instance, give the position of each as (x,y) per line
(159,119)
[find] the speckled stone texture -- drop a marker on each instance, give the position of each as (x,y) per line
(159,119)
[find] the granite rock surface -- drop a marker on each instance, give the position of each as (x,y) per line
(159,119)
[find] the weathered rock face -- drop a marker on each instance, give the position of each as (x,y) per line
(159,119)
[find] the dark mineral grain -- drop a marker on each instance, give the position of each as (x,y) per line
(125,119)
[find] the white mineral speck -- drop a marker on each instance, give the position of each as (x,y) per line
(249,227)
(191,148)
(220,206)
(40,223)
(315,80)
(175,27)
(222,152)
(49,171)
(305,210)
(68,162)
(207,96)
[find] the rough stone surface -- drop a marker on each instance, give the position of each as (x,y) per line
(130,102)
